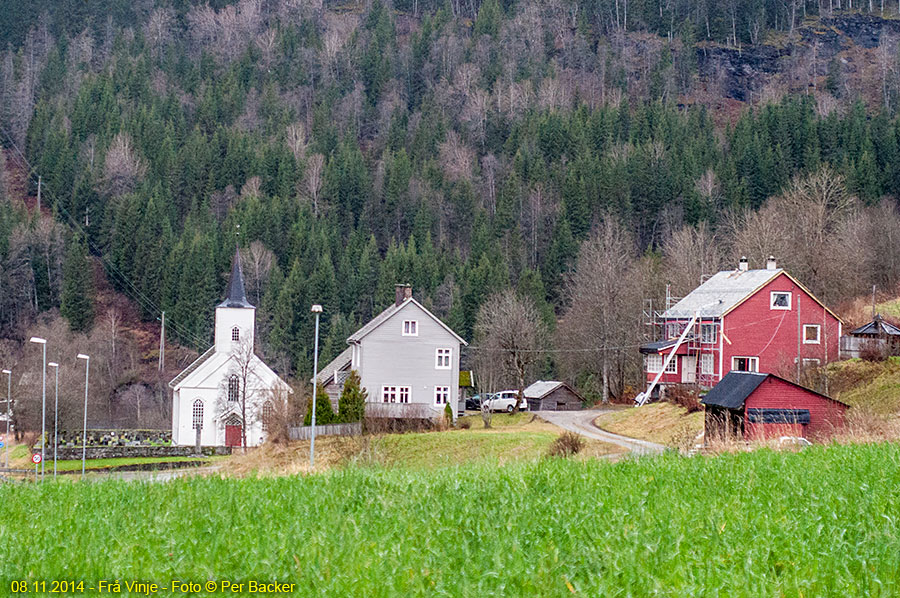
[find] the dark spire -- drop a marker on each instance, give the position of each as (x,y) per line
(236,295)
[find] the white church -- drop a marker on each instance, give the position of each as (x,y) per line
(227,391)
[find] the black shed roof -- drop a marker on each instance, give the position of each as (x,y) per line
(733,389)
(877,327)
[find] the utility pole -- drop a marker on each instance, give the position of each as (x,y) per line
(162,344)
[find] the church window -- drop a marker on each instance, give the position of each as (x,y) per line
(235,334)
(234,387)
(268,412)
(198,414)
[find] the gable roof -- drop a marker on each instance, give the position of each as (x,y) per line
(192,367)
(390,311)
(236,295)
(726,290)
(542,388)
(877,326)
(721,293)
(733,390)
(336,365)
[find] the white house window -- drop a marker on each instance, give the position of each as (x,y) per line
(388,394)
(672,366)
(395,394)
(235,334)
(410,328)
(780,300)
(234,388)
(811,334)
(706,364)
(441,395)
(745,364)
(674,329)
(268,411)
(654,363)
(442,359)
(198,414)
(708,334)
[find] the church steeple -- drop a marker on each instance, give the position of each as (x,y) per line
(236,295)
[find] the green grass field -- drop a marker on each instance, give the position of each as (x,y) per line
(823,522)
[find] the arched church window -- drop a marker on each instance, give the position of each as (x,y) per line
(234,387)
(268,412)
(235,334)
(198,414)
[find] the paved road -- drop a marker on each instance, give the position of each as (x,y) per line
(582,422)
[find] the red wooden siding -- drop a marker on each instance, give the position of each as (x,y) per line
(755,330)
(825,416)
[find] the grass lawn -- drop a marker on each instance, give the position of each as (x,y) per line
(823,522)
(871,384)
(511,438)
(663,423)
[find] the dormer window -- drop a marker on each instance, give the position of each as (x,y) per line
(780,300)
(410,328)
(235,334)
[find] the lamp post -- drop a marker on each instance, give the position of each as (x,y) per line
(87,369)
(55,366)
(8,413)
(316,309)
(43,343)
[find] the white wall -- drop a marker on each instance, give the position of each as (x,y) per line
(387,358)
(229,317)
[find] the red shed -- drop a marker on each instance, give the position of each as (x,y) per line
(758,406)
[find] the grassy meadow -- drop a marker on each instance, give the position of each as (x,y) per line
(663,423)
(822,522)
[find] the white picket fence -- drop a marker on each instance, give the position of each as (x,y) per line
(304,432)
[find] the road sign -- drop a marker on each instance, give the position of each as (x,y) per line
(36,458)
(1,444)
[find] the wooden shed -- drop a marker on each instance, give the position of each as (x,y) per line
(549,395)
(755,406)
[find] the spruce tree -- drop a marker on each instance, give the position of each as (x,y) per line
(352,404)
(77,299)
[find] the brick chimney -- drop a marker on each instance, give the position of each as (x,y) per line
(743,265)
(771,264)
(402,292)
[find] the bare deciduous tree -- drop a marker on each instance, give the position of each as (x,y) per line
(122,168)
(509,330)
(257,261)
(601,325)
(691,253)
(312,182)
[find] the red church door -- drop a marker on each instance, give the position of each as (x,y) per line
(232,434)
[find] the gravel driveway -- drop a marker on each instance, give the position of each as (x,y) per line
(582,422)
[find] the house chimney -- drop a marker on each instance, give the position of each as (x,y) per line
(743,265)
(402,292)
(771,264)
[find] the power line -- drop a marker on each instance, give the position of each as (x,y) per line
(137,295)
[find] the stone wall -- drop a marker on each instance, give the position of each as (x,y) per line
(131,452)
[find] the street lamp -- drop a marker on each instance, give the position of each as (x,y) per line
(43,343)
(316,309)
(55,365)
(8,414)
(87,368)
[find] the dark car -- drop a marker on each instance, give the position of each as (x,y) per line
(474,403)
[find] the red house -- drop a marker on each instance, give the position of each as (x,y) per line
(757,406)
(740,320)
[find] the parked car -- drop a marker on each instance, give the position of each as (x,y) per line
(505,400)
(474,403)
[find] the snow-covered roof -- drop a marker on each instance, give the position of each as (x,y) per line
(721,293)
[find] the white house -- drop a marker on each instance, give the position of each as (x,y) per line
(228,383)
(407,360)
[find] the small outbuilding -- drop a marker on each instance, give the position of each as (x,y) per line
(755,406)
(549,395)
(878,335)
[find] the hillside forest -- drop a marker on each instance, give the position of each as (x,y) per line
(587,155)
